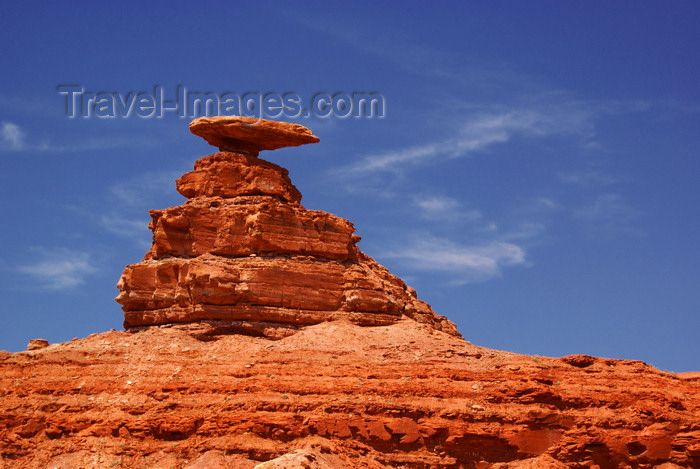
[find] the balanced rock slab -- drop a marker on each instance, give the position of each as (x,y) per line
(250,135)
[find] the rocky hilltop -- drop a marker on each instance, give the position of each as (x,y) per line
(258,335)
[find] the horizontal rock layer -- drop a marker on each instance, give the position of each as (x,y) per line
(229,174)
(249,225)
(298,291)
(403,395)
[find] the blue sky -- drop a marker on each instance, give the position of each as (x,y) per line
(534,176)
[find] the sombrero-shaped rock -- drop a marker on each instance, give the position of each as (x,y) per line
(250,135)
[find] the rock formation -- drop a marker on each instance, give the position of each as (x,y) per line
(336,395)
(339,365)
(243,254)
(248,135)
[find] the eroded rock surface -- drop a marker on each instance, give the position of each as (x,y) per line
(243,249)
(336,395)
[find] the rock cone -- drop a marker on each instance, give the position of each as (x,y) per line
(244,255)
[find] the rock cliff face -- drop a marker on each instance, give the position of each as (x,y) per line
(259,336)
(245,255)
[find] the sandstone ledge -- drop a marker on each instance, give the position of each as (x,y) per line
(298,290)
(247,225)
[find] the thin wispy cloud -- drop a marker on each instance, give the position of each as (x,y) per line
(12,136)
(440,207)
(611,215)
(145,186)
(24,105)
(464,263)
(435,204)
(493,246)
(398,48)
(132,229)
(525,231)
(539,205)
(482,131)
(130,201)
(587,178)
(90,144)
(392,46)
(469,140)
(61,268)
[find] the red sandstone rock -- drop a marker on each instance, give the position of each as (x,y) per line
(37,344)
(243,252)
(250,135)
(276,291)
(230,174)
(274,342)
(403,395)
(249,225)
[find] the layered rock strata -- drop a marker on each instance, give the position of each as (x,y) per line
(244,254)
(336,395)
